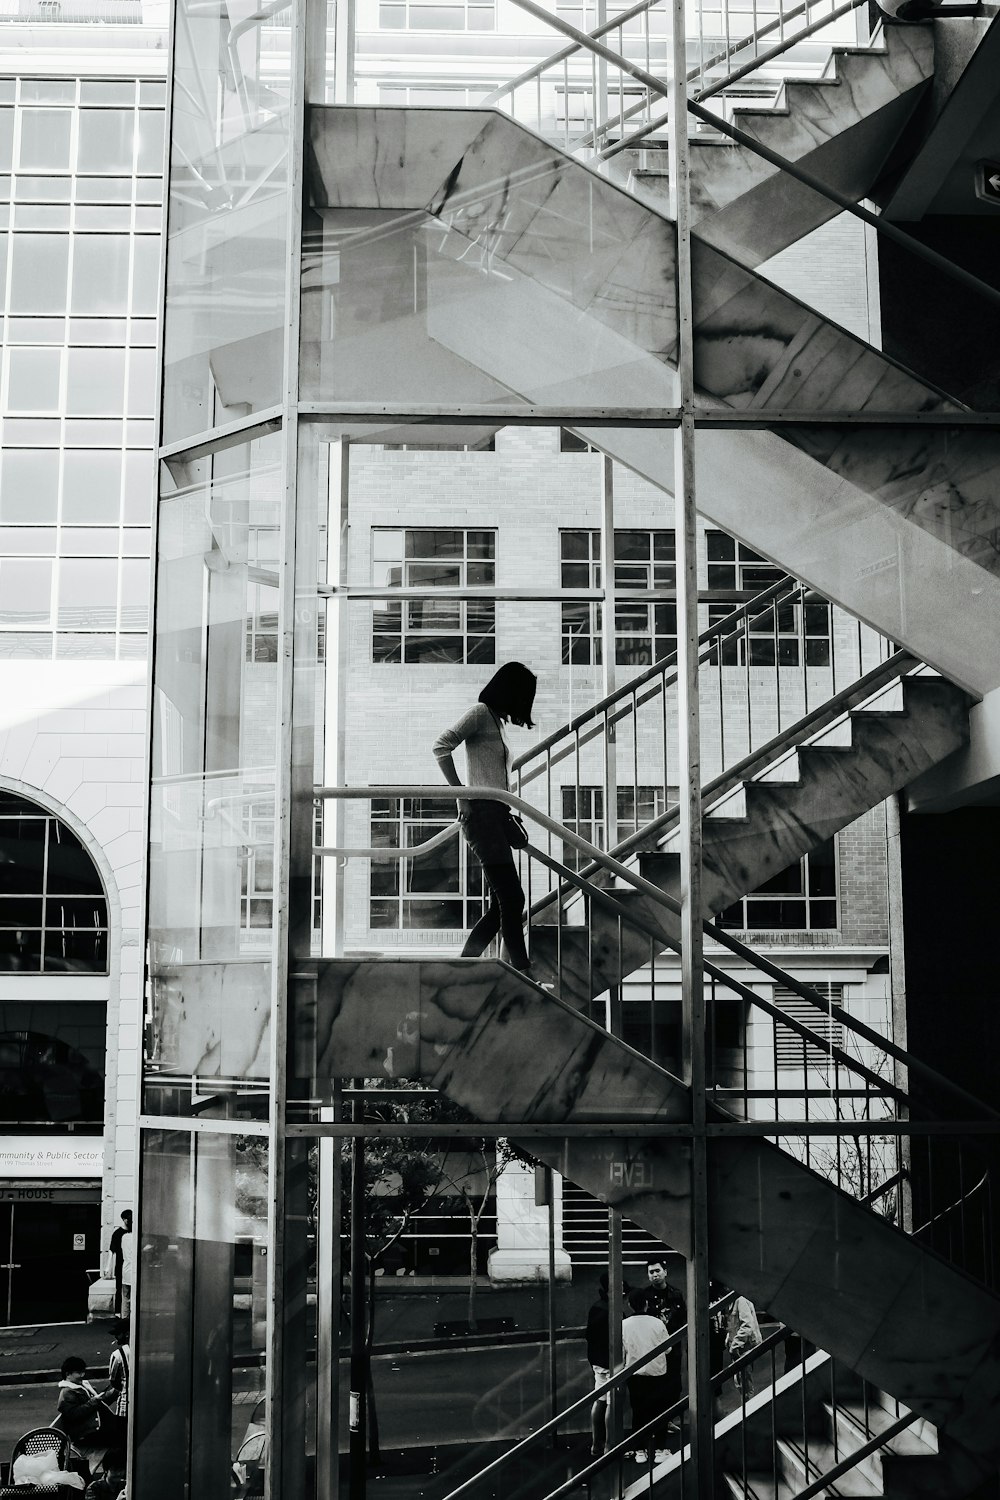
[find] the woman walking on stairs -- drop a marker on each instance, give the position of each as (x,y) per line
(506,699)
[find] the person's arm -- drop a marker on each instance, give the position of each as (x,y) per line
(446,744)
(116,1373)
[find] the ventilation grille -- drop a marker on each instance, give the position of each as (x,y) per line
(792,1051)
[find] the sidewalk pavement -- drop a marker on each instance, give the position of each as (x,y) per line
(411,1313)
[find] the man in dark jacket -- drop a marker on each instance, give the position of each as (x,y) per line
(90,1425)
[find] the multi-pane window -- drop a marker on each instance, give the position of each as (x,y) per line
(791,1049)
(53,910)
(583,812)
(801,897)
(429,629)
(645,630)
(784,635)
(437,15)
(52,1057)
(442,889)
(81,166)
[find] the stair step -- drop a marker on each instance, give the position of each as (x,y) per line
(921,1427)
(801,1468)
(918,1441)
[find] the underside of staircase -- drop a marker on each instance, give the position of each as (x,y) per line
(476,261)
(821,1262)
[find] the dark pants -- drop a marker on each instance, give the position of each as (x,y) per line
(484,826)
(649,1396)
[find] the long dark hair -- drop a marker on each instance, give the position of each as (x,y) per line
(510,693)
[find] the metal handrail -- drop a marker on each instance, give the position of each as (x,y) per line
(734,77)
(663,938)
(536,71)
(853,1459)
(842,200)
(585,1401)
(810,725)
(776,593)
(590,137)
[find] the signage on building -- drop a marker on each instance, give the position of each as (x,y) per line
(48,1156)
(988,185)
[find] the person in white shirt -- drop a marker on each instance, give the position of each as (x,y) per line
(507,698)
(649,1389)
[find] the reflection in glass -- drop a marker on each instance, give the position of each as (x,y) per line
(228,173)
(215,723)
(203,1258)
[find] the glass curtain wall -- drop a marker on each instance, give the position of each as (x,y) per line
(427,395)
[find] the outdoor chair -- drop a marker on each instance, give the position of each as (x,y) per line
(40,1440)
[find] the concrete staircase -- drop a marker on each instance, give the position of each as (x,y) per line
(842,128)
(795,1439)
(821,1262)
(813,788)
(462,259)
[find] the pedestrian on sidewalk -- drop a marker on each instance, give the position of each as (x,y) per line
(112,1268)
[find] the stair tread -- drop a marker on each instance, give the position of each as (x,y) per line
(906,1442)
(821,1458)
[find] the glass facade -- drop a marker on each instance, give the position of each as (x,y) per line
(380,321)
(80,256)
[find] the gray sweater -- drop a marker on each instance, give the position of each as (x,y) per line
(485,750)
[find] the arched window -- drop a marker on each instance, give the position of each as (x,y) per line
(53,910)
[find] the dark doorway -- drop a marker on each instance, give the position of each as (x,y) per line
(43,1278)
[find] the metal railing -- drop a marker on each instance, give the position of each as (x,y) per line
(845,1073)
(585,106)
(763,667)
(800,1421)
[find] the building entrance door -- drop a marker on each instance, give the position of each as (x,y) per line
(45,1251)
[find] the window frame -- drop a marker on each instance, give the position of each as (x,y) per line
(477,641)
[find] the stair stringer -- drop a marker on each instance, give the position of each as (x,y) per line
(785,819)
(790,1240)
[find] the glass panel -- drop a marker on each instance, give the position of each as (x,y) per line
(95,383)
(38,273)
(25,591)
(466,302)
(100,274)
(88,593)
(30,488)
(202,1315)
(53,1056)
(91,486)
(223,347)
(215,723)
(106,140)
(33,380)
(45,140)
